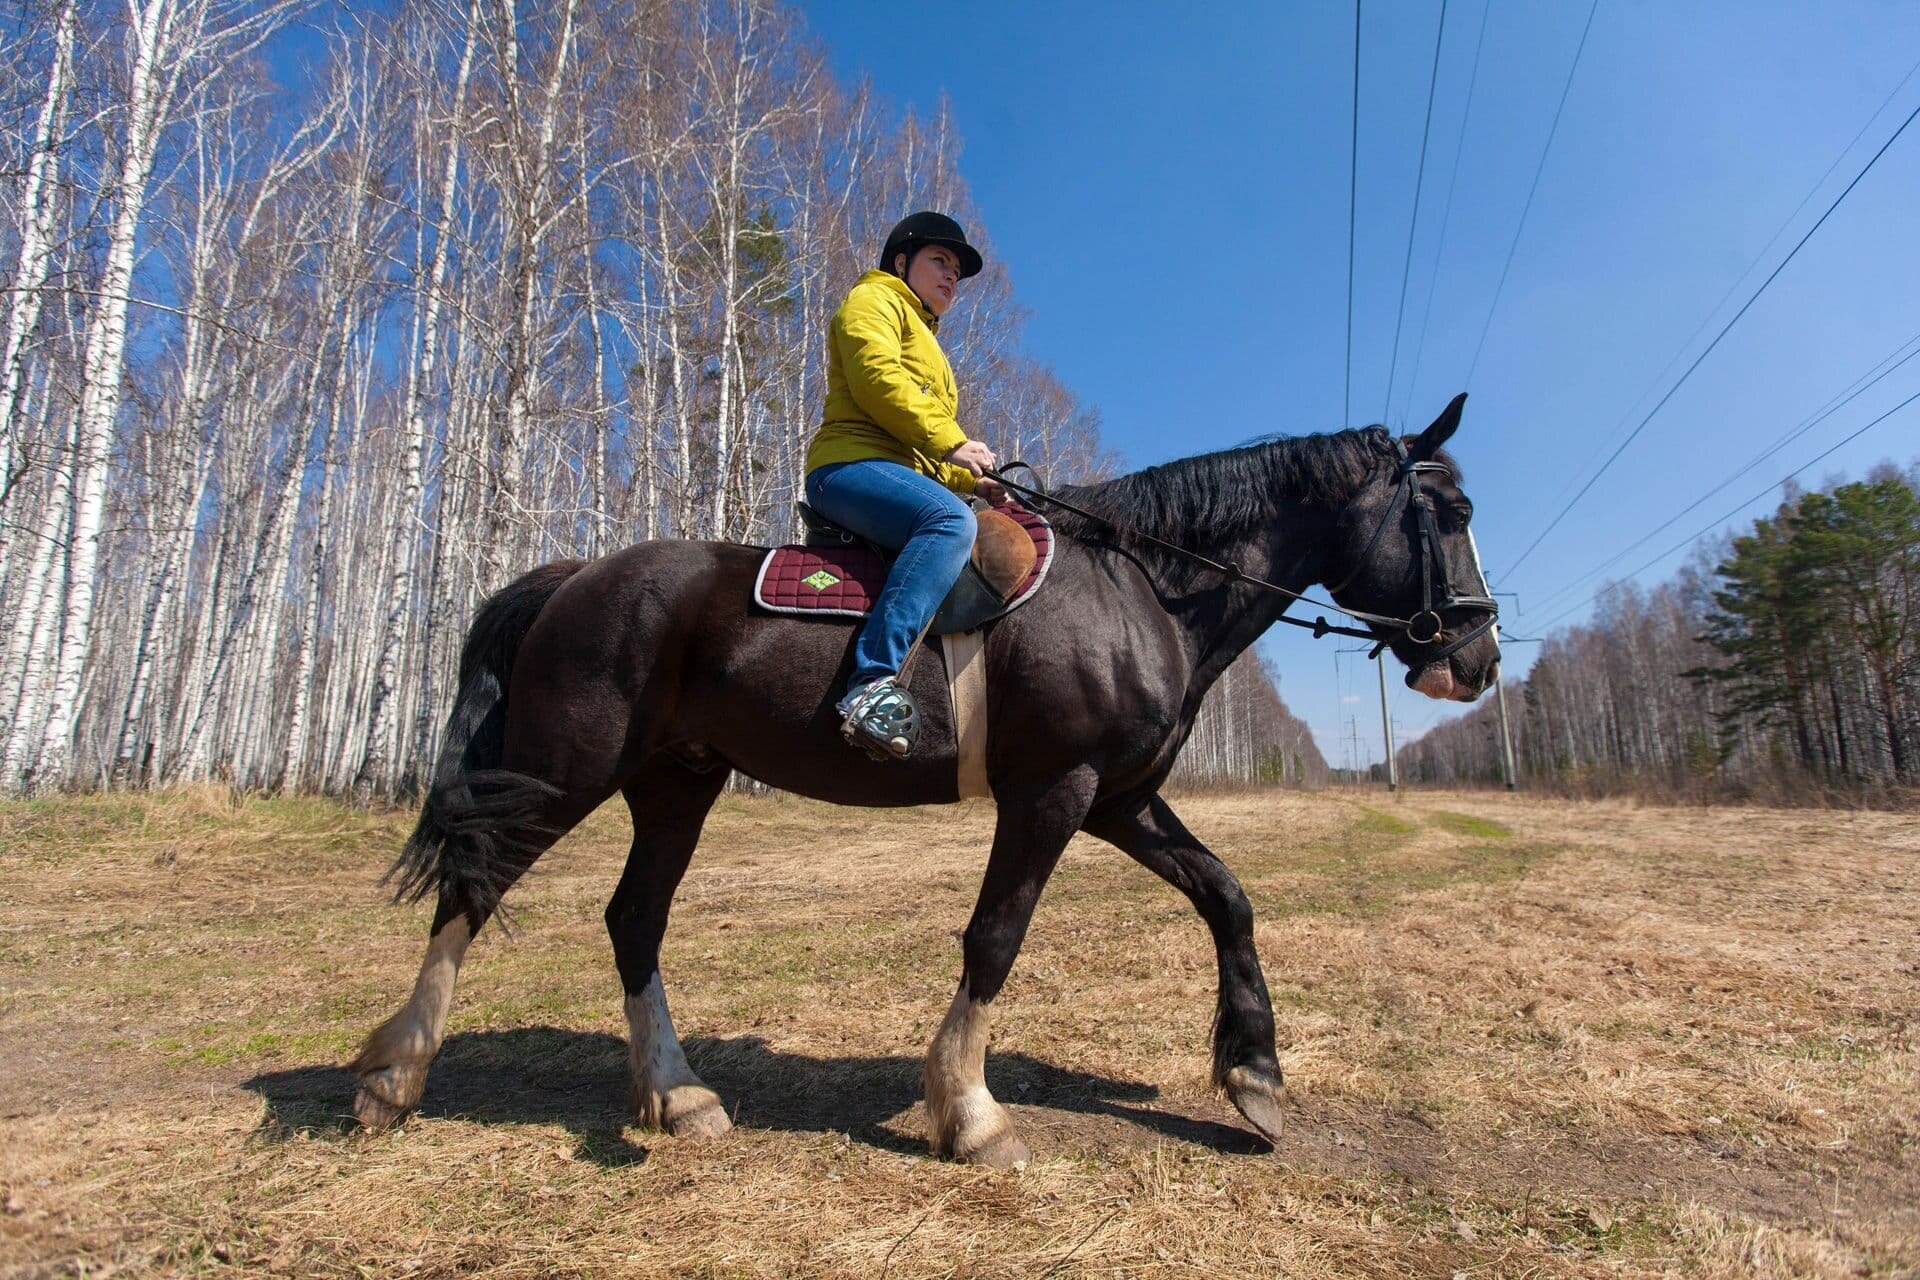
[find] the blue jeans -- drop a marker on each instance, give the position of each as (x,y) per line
(930,526)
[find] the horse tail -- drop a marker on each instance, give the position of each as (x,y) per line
(477,816)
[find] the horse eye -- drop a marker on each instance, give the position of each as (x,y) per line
(1464,514)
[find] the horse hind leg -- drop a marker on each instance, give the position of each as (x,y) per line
(392,1065)
(474,847)
(666,1093)
(669,802)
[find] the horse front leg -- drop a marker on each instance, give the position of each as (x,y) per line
(963,1119)
(1244,1062)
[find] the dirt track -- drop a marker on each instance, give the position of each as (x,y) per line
(1521,1037)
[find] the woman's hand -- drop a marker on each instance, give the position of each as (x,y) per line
(973,455)
(991,490)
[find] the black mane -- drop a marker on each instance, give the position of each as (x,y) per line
(1234,491)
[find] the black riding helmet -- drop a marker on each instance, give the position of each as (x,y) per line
(917,230)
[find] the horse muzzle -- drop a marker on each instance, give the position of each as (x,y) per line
(1437,680)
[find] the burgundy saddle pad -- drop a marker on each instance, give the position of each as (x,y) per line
(844,581)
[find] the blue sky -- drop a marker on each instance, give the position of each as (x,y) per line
(1168,186)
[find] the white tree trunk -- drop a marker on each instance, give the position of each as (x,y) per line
(528,224)
(36,254)
(599,526)
(28,645)
(683,526)
(149,91)
(402,552)
(173,555)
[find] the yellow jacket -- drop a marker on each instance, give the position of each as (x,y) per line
(890,390)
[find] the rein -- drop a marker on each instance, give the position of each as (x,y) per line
(1424,628)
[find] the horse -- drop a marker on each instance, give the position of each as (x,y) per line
(648,673)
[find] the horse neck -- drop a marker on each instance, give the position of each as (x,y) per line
(1218,620)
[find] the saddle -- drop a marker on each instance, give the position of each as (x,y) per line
(836,573)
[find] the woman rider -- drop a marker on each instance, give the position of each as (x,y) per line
(890,460)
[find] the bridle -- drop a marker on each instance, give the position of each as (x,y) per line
(1426,626)
(1423,628)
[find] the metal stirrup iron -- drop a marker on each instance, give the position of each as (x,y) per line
(883,721)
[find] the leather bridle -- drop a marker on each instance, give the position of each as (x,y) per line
(1423,628)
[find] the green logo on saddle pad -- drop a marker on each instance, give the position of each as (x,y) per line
(820,580)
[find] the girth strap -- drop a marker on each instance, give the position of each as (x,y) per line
(965,652)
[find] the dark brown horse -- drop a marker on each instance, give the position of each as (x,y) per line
(649,673)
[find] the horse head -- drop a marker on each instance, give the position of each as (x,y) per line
(1406,554)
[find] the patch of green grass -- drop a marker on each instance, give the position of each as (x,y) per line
(332,1045)
(1369,881)
(1465,824)
(1374,822)
(531,1007)
(165,825)
(1837,1047)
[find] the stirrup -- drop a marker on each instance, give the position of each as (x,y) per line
(883,720)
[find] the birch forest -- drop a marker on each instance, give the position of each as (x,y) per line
(303,355)
(1784,664)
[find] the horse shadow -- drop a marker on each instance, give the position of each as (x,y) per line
(578,1080)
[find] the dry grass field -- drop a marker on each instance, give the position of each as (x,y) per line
(1522,1038)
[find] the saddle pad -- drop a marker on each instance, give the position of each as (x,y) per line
(845,581)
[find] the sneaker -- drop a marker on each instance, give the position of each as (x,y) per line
(880,718)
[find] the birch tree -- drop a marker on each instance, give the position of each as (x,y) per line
(36,232)
(436,234)
(166,39)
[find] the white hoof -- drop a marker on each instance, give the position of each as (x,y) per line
(684,1111)
(999,1150)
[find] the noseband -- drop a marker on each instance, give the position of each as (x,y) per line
(1423,628)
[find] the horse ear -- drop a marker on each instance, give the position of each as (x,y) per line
(1429,441)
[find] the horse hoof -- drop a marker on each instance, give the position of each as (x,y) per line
(1257,1096)
(1002,1151)
(705,1118)
(376,1113)
(377,1103)
(684,1111)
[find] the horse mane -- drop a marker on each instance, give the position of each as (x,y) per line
(1232,492)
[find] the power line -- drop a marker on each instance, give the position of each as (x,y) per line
(1419,180)
(1707,319)
(1446,215)
(1859,387)
(1699,359)
(1707,528)
(1527,208)
(1353,192)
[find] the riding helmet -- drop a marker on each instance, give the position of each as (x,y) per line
(917,230)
